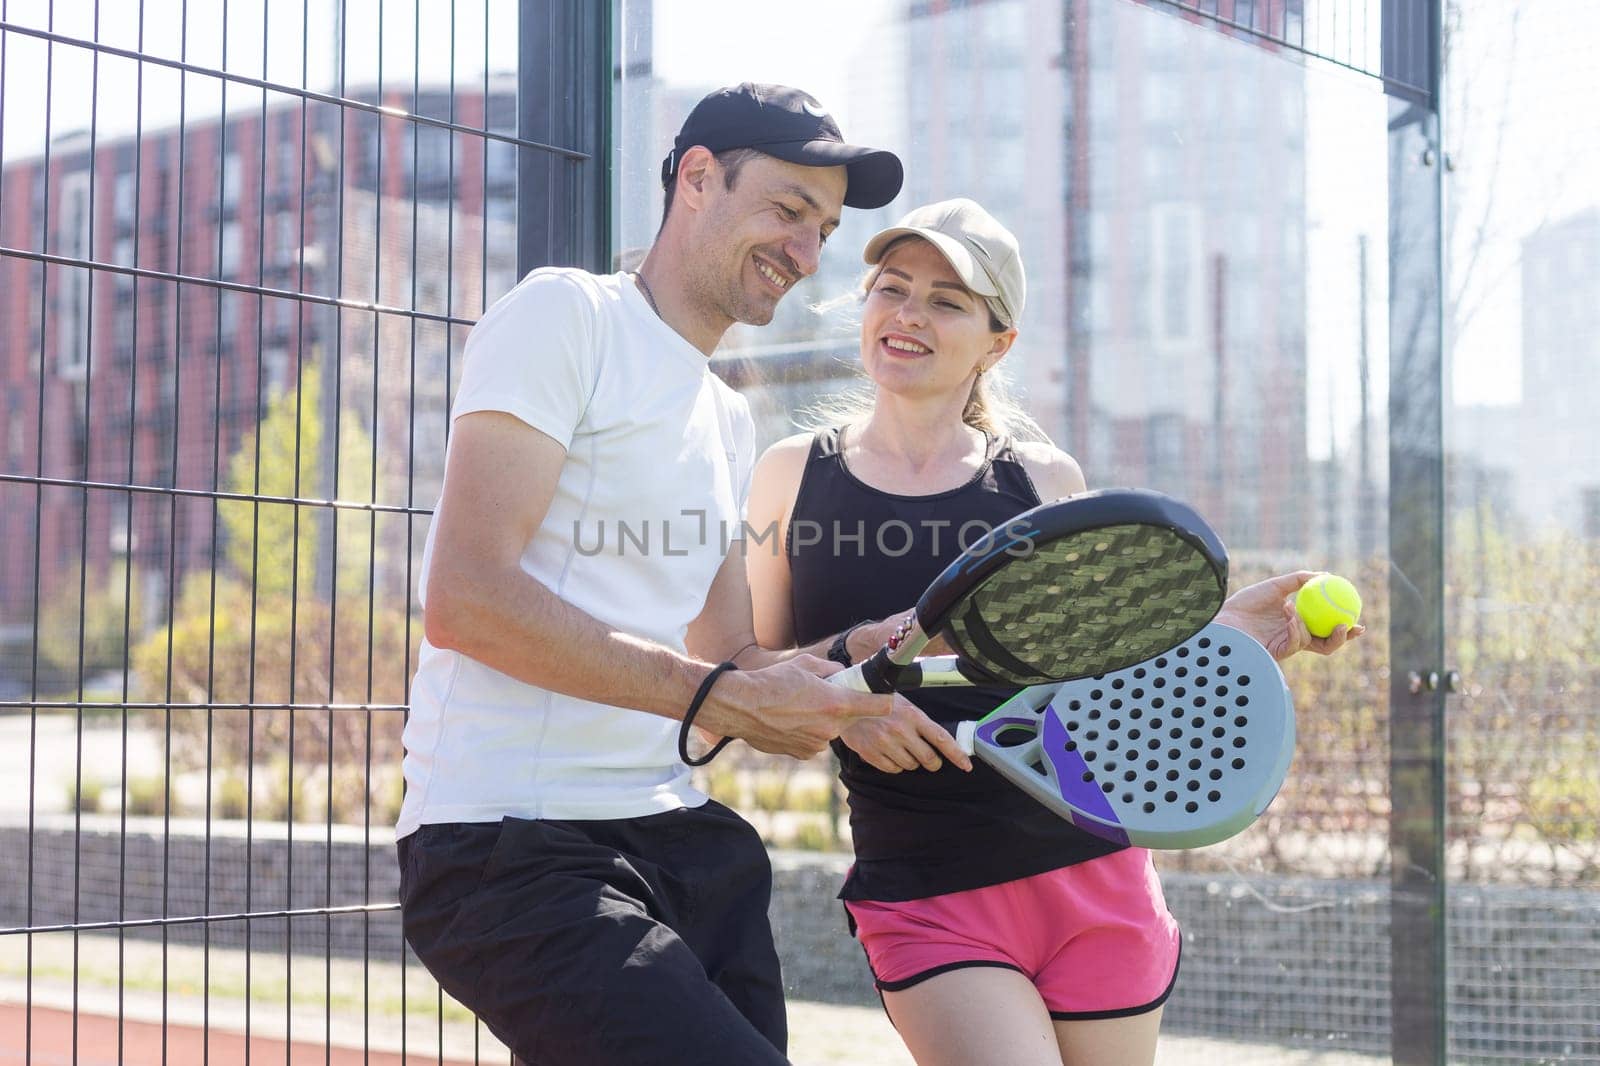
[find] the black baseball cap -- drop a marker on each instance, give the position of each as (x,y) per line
(790,125)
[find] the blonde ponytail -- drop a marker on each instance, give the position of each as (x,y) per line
(991,408)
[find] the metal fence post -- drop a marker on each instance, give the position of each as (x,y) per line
(1418,988)
(564,73)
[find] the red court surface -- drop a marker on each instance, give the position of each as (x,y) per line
(185,1046)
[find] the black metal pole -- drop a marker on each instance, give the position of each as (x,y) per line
(1418,993)
(564,72)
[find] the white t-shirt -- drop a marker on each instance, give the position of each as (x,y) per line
(659,454)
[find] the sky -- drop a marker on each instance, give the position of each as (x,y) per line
(249,38)
(716,41)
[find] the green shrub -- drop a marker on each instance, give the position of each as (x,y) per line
(1563,804)
(721,782)
(229,797)
(813,798)
(149,795)
(355,795)
(771,792)
(812,835)
(387,795)
(85,794)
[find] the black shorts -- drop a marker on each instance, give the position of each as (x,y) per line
(637,940)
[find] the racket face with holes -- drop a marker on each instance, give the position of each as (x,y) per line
(1181,751)
(1079,586)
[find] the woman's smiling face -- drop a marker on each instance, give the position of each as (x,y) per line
(922,331)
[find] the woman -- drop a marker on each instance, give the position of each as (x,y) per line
(998,933)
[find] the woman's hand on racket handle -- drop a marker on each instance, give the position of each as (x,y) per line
(787,708)
(1266,612)
(904,739)
(867,638)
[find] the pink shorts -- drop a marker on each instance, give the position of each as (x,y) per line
(1096,939)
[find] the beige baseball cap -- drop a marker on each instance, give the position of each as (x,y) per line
(983,253)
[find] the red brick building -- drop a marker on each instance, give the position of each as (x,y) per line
(158,292)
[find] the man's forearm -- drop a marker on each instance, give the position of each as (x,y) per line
(520,628)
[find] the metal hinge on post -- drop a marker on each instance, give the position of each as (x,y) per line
(1418,682)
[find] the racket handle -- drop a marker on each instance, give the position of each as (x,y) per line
(877,674)
(882,674)
(850,678)
(966,735)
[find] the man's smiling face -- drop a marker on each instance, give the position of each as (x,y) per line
(759,238)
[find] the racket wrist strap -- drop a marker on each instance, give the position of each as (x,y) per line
(694,708)
(880,672)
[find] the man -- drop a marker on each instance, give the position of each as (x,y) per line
(559,875)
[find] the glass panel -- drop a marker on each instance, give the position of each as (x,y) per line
(1204,219)
(1522,323)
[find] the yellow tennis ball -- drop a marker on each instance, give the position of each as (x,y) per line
(1326,602)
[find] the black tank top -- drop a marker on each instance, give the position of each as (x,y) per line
(858,553)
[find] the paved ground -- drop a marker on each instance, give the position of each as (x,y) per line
(822,1035)
(99,1041)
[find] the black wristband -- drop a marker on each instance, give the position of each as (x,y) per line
(694,708)
(839,650)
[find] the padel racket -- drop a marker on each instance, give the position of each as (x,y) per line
(1179,752)
(1068,589)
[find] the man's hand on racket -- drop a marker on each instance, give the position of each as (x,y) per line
(1266,612)
(787,709)
(904,739)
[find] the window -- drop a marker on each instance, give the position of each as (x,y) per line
(500,166)
(118,539)
(1163,162)
(287,151)
(498,281)
(1176,273)
(275,372)
(122,255)
(37,237)
(285,239)
(1163,99)
(434,164)
(72,296)
(14,430)
(232,182)
(228,264)
(228,317)
(124,199)
(124,334)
